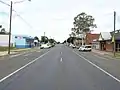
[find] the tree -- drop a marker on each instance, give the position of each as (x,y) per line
(51,41)
(64,41)
(44,39)
(36,38)
(71,40)
(83,23)
(0,26)
(3,31)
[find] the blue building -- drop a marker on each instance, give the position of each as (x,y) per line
(24,42)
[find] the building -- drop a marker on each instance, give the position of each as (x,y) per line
(105,41)
(95,44)
(4,40)
(117,39)
(24,41)
(78,42)
(92,39)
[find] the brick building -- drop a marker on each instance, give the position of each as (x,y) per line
(91,37)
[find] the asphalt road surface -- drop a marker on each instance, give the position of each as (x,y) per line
(60,68)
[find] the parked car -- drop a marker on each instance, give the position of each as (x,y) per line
(77,47)
(73,46)
(44,46)
(85,48)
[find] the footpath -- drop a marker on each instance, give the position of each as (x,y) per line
(108,55)
(16,51)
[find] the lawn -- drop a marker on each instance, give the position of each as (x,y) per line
(117,54)
(5,48)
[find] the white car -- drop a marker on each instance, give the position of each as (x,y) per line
(45,46)
(71,45)
(85,48)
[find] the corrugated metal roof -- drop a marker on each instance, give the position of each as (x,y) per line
(105,36)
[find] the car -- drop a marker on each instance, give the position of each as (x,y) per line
(45,46)
(85,48)
(73,46)
(77,47)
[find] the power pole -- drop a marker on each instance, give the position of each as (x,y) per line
(114,33)
(82,35)
(44,34)
(82,39)
(10,27)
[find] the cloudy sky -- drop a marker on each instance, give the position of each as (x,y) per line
(55,17)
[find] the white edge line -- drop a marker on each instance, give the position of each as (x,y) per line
(1,80)
(99,67)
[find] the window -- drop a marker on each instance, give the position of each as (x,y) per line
(88,47)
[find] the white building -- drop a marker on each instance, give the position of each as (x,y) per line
(4,40)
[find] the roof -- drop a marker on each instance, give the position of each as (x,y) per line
(2,33)
(117,34)
(92,37)
(105,36)
(24,36)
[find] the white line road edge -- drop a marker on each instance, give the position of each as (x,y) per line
(98,67)
(1,80)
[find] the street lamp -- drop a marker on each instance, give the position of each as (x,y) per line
(11,4)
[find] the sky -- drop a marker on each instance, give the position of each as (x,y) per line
(55,17)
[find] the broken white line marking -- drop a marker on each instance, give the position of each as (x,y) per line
(61,53)
(61,60)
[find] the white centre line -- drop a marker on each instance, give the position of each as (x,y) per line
(61,53)
(11,74)
(61,60)
(107,73)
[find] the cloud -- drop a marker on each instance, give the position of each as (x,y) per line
(55,17)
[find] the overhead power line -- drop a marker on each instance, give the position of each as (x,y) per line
(17,14)
(4,3)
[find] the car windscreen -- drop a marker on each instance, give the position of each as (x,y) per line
(87,46)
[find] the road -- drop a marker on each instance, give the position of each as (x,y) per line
(60,68)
